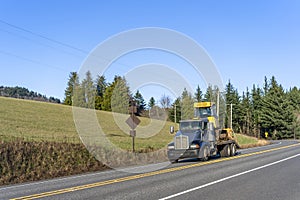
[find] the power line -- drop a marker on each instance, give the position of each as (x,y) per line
(44,37)
(36,42)
(30,60)
(98,57)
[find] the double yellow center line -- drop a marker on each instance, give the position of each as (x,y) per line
(134,177)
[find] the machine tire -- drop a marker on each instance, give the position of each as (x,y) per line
(232,150)
(225,152)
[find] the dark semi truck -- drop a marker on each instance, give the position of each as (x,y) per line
(200,137)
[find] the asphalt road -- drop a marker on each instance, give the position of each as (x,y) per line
(270,172)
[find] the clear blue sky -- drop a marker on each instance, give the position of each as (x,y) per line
(247,40)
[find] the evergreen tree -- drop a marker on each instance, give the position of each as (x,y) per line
(175,110)
(106,103)
(72,83)
(89,91)
(120,96)
(266,86)
(276,116)
(208,95)
(151,102)
(100,90)
(294,98)
(256,103)
(140,102)
(246,113)
(211,94)
(24,93)
(198,94)
(187,105)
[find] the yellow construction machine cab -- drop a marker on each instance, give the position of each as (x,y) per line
(206,110)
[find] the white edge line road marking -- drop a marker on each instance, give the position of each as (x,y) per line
(229,177)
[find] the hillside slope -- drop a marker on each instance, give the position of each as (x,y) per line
(40,121)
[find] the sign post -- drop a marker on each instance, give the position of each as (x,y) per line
(133,122)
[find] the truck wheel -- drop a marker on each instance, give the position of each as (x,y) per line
(205,154)
(225,152)
(232,149)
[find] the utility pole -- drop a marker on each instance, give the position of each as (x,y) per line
(231,105)
(231,115)
(175,117)
(294,133)
(218,104)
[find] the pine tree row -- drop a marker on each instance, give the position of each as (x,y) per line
(270,109)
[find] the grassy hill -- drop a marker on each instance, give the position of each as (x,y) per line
(40,121)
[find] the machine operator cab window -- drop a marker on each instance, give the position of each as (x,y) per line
(205,112)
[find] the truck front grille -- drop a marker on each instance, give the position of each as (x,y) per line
(181,142)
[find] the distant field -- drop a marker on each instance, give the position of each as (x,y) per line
(40,121)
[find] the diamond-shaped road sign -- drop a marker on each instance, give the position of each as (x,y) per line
(133,122)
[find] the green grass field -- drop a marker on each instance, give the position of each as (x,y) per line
(40,121)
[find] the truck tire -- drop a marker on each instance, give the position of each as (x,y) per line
(225,152)
(205,154)
(232,150)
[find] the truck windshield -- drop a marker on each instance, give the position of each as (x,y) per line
(190,126)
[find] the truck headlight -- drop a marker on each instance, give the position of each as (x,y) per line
(171,147)
(194,146)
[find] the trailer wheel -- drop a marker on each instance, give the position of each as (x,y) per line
(225,152)
(232,149)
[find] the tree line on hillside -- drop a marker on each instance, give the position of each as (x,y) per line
(117,97)
(269,109)
(24,93)
(102,95)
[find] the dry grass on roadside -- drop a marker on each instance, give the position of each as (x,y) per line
(23,161)
(248,142)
